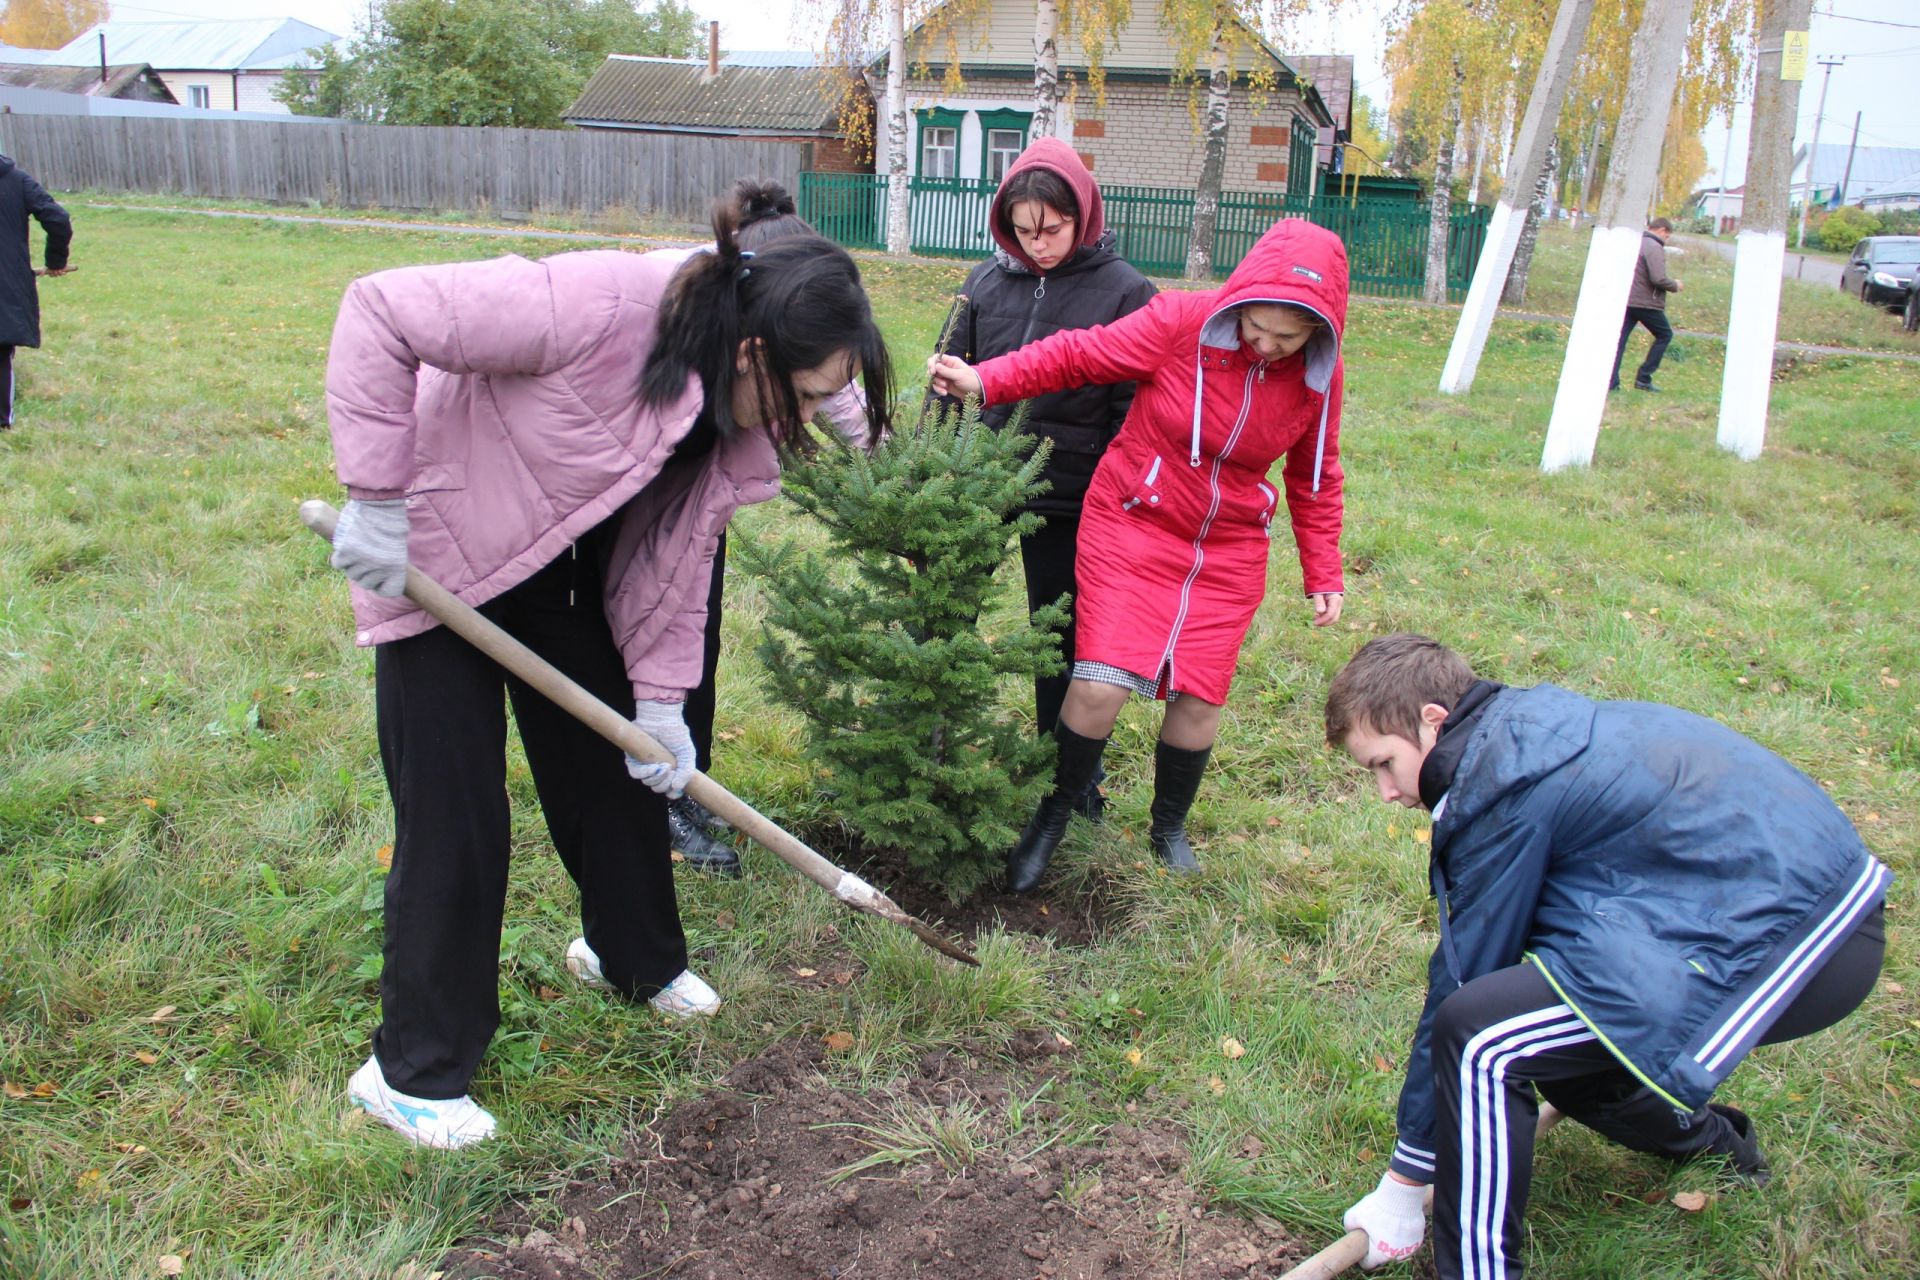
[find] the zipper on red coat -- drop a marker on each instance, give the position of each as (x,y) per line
(1213,509)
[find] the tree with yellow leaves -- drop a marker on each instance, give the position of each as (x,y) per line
(48,24)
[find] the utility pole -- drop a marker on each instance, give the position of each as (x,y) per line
(1528,163)
(1653,71)
(1761,247)
(1846,178)
(1813,149)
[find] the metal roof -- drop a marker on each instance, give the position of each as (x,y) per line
(258,44)
(676,93)
(1332,75)
(1872,166)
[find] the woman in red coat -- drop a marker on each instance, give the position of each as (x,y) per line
(1173,543)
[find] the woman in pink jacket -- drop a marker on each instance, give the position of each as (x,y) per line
(559,443)
(1174,533)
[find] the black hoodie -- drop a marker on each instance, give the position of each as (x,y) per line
(21,197)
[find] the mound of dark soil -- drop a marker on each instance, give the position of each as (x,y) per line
(744,1183)
(1073,916)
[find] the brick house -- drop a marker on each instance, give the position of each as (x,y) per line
(1332,75)
(766,96)
(1145,133)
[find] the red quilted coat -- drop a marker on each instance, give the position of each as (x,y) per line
(1173,538)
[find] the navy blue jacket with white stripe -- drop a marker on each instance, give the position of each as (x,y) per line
(1676,884)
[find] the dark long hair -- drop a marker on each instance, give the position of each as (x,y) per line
(767,213)
(800,296)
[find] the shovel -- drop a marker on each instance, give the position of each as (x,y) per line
(621,732)
(1350,1250)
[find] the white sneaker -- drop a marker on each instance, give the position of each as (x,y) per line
(583,964)
(431,1122)
(685,997)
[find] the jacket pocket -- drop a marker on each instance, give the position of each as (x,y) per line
(1269,500)
(1146,492)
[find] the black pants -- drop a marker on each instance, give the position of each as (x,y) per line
(6,391)
(700,701)
(1655,319)
(1047,555)
(443,737)
(1499,1036)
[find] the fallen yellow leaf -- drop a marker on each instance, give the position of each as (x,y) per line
(12,1090)
(97,819)
(1393,829)
(45,1089)
(1133,1057)
(838,1041)
(1423,835)
(1894,988)
(1218,1086)
(806,973)
(150,802)
(146,1057)
(129,1148)
(172,1264)
(161,1014)
(384,856)
(1233,1048)
(1691,1201)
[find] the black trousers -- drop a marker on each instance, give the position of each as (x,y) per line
(443,737)
(6,391)
(1655,319)
(700,702)
(1047,555)
(1501,1035)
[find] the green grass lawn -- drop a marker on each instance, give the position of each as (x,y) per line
(1809,312)
(192,814)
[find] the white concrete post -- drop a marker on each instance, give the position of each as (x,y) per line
(1761,247)
(1529,161)
(1653,71)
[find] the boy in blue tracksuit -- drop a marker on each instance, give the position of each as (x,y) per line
(1631,897)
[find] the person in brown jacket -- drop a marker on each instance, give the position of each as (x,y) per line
(1647,305)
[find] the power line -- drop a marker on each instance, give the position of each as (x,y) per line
(1878,22)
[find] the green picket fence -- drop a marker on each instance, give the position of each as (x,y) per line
(1386,239)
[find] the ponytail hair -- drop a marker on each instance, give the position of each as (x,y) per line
(799,299)
(767,213)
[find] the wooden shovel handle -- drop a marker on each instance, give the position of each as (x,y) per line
(463,620)
(1350,1250)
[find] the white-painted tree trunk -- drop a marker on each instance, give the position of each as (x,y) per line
(1213,168)
(1760,249)
(899,235)
(1440,207)
(1653,71)
(1527,170)
(1046,66)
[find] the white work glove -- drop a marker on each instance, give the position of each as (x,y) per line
(1394,1218)
(666,724)
(370,545)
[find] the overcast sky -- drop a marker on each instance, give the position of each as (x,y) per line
(1879,40)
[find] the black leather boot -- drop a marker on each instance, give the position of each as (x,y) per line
(1092,804)
(1176,781)
(1072,773)
(1745,1161)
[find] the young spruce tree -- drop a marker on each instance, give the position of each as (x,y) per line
(877,641)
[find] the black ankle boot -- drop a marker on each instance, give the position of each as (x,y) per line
(1073,772)
(1745,1161)
(1176,780)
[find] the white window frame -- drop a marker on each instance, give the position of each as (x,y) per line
(200,96)
(930,146)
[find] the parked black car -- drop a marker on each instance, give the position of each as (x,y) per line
(1882,269)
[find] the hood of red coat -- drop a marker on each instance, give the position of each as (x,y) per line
(1297,263)
(1063,160)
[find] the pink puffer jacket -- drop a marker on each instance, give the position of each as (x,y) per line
(502,398)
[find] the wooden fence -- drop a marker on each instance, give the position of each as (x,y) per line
(362,166)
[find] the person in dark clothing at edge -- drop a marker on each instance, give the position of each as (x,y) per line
(1054,267)
(1631,898)
(21,198)
(1647,305)
(767,213)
